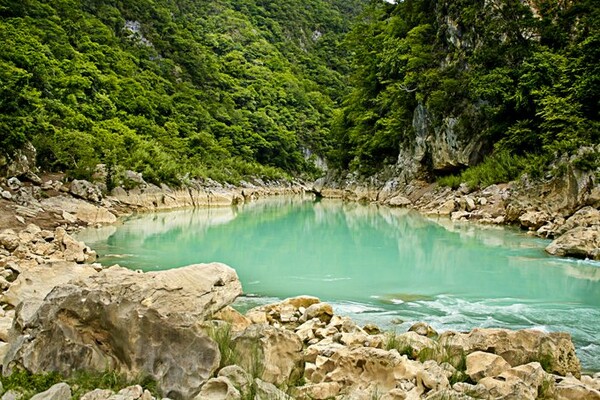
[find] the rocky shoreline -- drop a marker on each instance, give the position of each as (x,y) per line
(564,208)
(61,312)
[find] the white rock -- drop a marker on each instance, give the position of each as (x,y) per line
(60,391)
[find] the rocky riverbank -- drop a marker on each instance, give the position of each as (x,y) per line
(564,208)
(177,327)
(62,312)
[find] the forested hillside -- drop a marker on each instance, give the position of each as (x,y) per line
(446,83)
(228,89)
(172,88)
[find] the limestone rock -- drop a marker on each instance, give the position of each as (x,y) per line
(9,239)
(73,250)
(580,242)
(533,220)
(587,216)
(268,391)
(12,395)
(322,311)
(423,329)
(399,201)
(130,322)
(279,351)
(469,203)
(364,366)
(481,365)
(318,391)
(35,283)
(86,191)
(518,347)
(415,342)
(522,382)
(86,212)
(447,208)
(570,388)
(60,391)
(20,163)
(219,388)
(289,312)
(237,376)
(98,394)
(230,315)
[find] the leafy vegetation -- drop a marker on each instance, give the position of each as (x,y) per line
(221,89)
(230,89)
(81,382)
(499,167)
(519,77)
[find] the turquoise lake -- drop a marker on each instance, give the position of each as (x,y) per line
(380,265)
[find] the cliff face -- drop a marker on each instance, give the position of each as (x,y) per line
(439,86)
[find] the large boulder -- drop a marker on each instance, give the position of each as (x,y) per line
(555,349)
(60,391)
(278,351)
(134,323)
(533,220)
(481,364)
(580,242)
(34,284)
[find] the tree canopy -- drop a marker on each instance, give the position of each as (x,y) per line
(172,88)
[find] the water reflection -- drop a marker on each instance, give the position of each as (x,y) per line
(377,263)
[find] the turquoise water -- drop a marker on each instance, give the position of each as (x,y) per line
(387,266)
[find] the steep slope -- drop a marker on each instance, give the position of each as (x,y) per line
(440,85)
(172,88)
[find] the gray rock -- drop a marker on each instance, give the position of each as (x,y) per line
(268,391)
(86,190)
(138,324)
(12,395)
(6,195)
(13,183)
(98,394)
(60,391)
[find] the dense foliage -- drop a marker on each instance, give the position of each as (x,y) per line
(234,88)
(172,88)
(523,77)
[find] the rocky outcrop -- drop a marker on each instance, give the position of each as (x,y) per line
(86,191)
(77,210)
(21,163)
(342,360)
(196,194)
(578,236)
(518,347)
(279,349)
(136,324)
(580,242)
